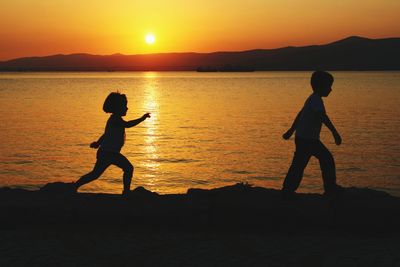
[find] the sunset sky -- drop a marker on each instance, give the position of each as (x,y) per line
(38,28)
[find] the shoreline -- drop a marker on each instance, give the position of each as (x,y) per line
(236,225)
(236,206)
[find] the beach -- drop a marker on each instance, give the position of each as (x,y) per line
(104,247)
(200,133)
(238,225)
(193,204)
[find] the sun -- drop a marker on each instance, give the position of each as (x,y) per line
(150,39)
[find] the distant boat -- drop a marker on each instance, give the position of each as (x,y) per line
(206,69)
(226,68)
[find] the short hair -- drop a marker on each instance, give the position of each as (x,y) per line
(114,101)
(321,79)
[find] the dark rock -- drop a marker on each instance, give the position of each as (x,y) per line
(142,192)
(239,206)
(59,188)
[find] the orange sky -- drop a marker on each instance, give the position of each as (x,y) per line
(37,28)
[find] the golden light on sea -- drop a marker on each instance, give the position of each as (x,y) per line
(150,105)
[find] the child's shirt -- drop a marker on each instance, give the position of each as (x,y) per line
(309,124)
(114,135)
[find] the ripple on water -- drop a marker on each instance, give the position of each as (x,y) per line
(20,162)
(265,178)
(17,162)
(238,172)
(351,169)
(172,160)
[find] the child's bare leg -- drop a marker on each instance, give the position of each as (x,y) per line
(122,162)
(127,180)
(98,170)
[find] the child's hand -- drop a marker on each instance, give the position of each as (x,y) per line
(94,145)
(338,139)
(147,115)
(288,134)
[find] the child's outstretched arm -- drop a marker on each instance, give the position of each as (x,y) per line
(129,124)
(97,143)
(292,128)
(325,120)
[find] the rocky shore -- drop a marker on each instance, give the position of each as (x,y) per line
(236,206)
(236,225)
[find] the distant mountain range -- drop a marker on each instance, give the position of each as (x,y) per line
(352,53)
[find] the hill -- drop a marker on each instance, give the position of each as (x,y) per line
(352,53)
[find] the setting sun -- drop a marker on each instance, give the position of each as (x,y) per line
(150,38)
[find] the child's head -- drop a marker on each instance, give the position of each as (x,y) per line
(321,82)
(116,103)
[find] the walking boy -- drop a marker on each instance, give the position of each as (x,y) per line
(307,125)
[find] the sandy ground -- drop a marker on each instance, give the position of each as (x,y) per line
(236,225)
(105,247)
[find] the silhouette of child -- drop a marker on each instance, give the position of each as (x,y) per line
(110,143)
(307,125)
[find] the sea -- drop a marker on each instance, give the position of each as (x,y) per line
(206,130)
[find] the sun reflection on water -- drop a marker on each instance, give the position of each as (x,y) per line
(150,104)
(205,130)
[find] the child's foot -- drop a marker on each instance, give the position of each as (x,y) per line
(73,188)
(126,193)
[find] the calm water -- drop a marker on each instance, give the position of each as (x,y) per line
(206,130)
